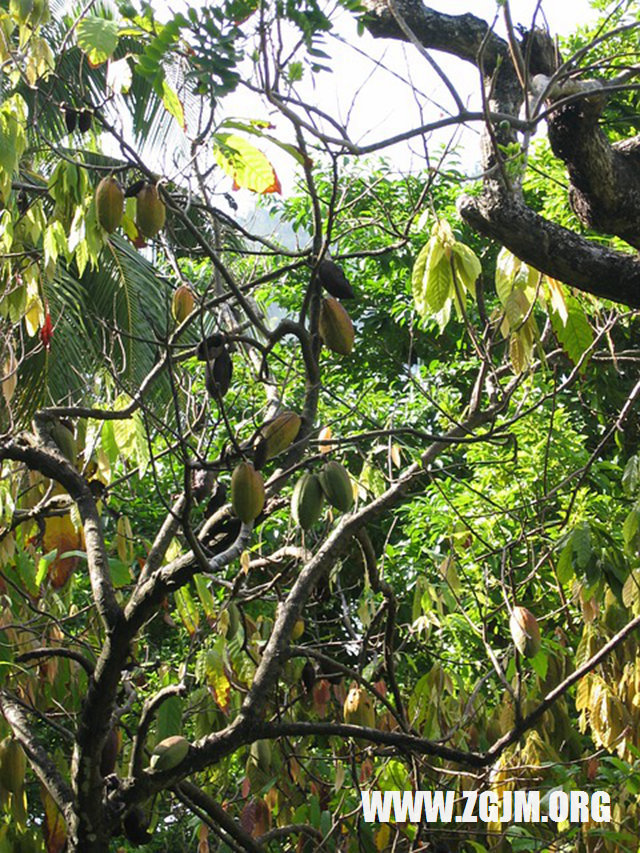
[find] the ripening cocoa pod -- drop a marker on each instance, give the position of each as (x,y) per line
(334,281)
(358,708)
(169,753)
(84,121)
(247,492)
(218,375)
(109,204)
(525,632)
(182,303)
(307,500)
(150,211)
(336,485)
(279,433)
(335,327)
(298,629)
(13,765)
(260,753)
(110,752)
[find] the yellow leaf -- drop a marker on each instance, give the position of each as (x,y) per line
(324,435)
(246,164)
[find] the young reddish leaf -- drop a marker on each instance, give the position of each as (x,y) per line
(46,330)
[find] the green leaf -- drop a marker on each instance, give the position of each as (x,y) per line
(576,335)
(439,283)
(172,103)
(631,476)
(98,38)
(581,541)
(418,279)
(467,266)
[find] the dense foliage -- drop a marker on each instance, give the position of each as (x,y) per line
(272,499)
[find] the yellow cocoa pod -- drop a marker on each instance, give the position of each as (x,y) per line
(525,632)
(335,327)
(169,753)
(109,204)
(336,485)
(150,211)
(278,434)
(247,492)
(358,708)
(183,303)
(298,629)
(13,765)
(307,500)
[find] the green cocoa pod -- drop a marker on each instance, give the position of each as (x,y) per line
(336,485)
(247,492)
(307,500)
(150,211)
(169,753)
(109,204)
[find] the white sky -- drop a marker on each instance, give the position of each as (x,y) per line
(376,103)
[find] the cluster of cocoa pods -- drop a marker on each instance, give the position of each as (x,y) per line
(150,209)
(247,483)
(335,326)
(333,483)
(82,119)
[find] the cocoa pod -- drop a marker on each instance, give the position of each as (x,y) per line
(135,825)
(247,492)
(65,441)
(336,485)
(298,629)
(169,753)
(209,348)
(218,375)
(70,118)
(308,676)
(335,327)
(278,434)
(109,204)
(525,632)
(150,211)
(13,765)
(182,303)
(85,118)
(358,708)
(307,500)
(334,281)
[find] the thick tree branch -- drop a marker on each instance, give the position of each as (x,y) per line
(555,250)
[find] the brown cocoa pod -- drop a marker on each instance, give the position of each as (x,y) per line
(335,327)
(218,376)
(85,118)
(70,118)
(525,632)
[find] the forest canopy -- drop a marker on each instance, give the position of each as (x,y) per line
(319,466)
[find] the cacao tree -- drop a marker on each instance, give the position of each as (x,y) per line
(345,503)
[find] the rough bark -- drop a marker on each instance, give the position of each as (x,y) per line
(604,178)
